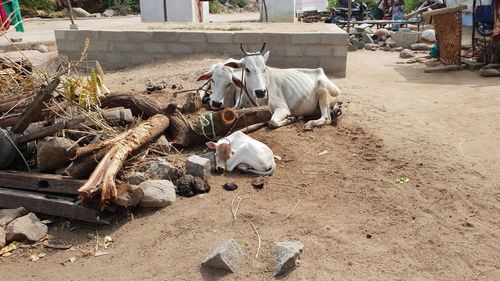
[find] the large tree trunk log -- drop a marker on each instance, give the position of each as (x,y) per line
(183,133)
(139,104)
(83,167)
(103,177)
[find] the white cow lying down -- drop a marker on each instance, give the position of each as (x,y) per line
(243,152)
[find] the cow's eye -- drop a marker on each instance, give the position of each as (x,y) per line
(247,70)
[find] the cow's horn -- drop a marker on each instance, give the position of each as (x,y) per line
(263,47)
(243,49)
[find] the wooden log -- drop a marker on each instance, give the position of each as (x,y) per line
(83,167)
(141,105)
(50,130)
(193,103)
(35,109)
(183,133)
(40,182)
(443,68)
(88,149)
(46,113)
(103,177)
(50,205)
(20,101)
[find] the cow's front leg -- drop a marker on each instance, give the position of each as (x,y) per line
(281,117)
(324,106)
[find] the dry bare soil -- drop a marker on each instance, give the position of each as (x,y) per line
(442,131)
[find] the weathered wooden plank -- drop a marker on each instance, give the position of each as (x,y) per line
(49,205)
(40,182)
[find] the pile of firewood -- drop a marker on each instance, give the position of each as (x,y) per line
(66,146)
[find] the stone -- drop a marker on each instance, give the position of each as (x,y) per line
(358,43)
(420,47)
(397,49)
(96,15)
(131,197)
(8,215)
(198,166)
(367,39)
(351,48)
(163,170)
(162,144)
(210,156)
(288,255)
(428,36)
(26,228)
(406,54)
(2,237)
(405,39)
(41,48)
(81,13)
(42,13)
(136,178)
(228,255)
(157,193)
(108,13)
(52,153)
(371,46)
(382,32)
(189,186)
(391,43)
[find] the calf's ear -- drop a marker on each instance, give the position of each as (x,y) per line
(211,144)
(237,82)
(206,76)
(234,64)
(266,56)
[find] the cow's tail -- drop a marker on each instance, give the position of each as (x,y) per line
(266,173)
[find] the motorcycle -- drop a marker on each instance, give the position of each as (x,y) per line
(339,14)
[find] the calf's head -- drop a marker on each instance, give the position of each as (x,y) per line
(254,68)
(223,152)
(221,83)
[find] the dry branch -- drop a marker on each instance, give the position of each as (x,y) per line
(103,177)
(138,103)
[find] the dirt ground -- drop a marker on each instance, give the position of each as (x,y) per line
(442,131)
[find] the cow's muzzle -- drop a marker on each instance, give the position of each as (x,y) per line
(219,170)
(216,104)
(261,93)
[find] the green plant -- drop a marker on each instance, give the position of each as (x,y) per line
(29,7)
(239,3)
(411,5)
(331,4)
(215,7)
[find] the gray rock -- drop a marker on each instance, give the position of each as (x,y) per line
(358,43)
(132,197)
(288,254)
(136,178)
(367,39)
(398,49)
(228,255)
(371,46)
(420,47)
(405,39)
(406,54)
(108,13)
(8,215)
(382,32)
(351,48)
(41,48)
(96,15)
(391,43)
(198,166)
(81,13)
(428,35)
(26,228)
(163,170)
(157,193)
(2,237)
(52,153)
(210,156)
(162,144)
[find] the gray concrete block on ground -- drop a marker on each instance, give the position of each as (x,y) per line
(155,47)
(140,36)
(70,46)
(406,38)
(288,254)
(126,47)
(304,38)
(198,166)
(220,37)
(180,48)
(228,255)
(165,36)
(276,38)
(98,46)
(302,62)
(319,51)
(333,38)
(192,37)
(114,35)
(248,37)
(60,34)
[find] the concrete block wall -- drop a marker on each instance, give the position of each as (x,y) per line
(120,49)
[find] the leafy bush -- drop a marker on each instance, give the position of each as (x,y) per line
(29,7)
(215,7)
(239,3)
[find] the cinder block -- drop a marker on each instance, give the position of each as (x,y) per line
(114,35)
(141,58)
(140,36)
(334,65)
(155,47)
(198,166)
(98,45)
(165,36)
(276,38)
(248,37)
(303,62)
(319,51)
(116,58)
(220,37)
(207,48)
(334,38)
(82,34)
(304,38)
(127,47)
(69,46)
(179,48)
(60,34)
(192,37)
(278,61)
(340,51)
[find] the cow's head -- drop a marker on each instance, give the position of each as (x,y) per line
(222,83)
(223,152)
(254,68)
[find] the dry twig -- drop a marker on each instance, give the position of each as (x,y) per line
(260,240)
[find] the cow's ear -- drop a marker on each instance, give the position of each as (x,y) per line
(266,56)
(237,82)
(233,64)
(206,76)
(211,144)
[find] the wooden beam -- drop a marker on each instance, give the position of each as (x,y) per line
(35,109)
(444,11)
(40,182)
(47,131)
(50,205)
